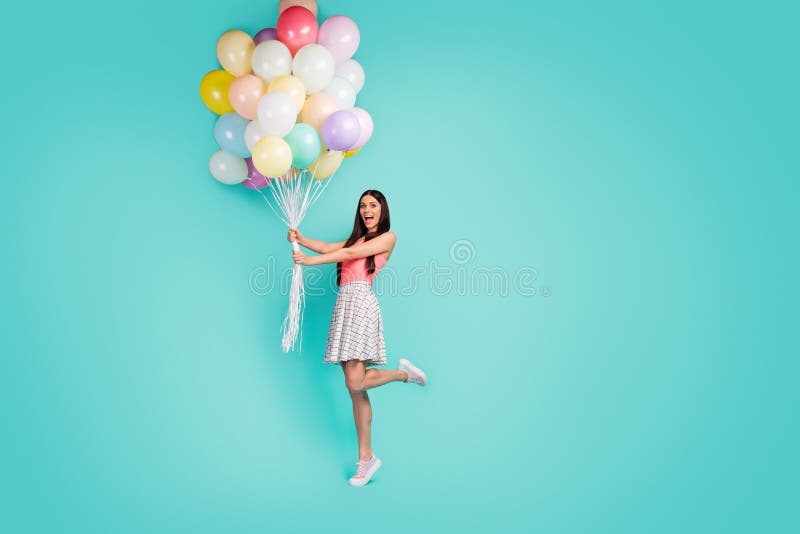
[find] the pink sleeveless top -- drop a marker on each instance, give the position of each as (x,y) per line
(353,270)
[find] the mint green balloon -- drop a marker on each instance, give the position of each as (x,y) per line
(305,144)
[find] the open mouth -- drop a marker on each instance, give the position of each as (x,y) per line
(368,218)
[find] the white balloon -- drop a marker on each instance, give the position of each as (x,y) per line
(252,134)
(341,91)
(313,65)
(352,71)
(271,59)
(227,168)
(277,114)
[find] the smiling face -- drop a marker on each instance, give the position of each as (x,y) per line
(370,210)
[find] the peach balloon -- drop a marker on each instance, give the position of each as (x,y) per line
(310,5)
(235,52)
(290,85)
(319,107)
(244,94)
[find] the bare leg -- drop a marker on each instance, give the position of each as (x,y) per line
(362,408)
(378,377)
(358,381)
(362,413)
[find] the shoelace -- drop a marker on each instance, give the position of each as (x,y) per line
(361,468)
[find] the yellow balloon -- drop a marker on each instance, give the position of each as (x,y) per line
(290,85)
(351,153)
(272,156)
(214,91)
(235,52)
(326,164)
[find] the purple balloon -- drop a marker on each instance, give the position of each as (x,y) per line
(255,180)
(267,34)
(341,130)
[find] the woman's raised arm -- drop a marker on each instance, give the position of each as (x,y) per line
(313,244)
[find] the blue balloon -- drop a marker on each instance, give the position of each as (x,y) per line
(229,133)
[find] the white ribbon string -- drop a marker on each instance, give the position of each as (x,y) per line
(294,193)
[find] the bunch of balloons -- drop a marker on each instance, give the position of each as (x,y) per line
(285,98)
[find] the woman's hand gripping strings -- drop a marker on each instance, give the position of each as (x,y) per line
(316,245)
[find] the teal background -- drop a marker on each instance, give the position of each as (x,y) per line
(641,157)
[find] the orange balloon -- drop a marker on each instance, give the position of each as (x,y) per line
(310,5)
(214,91)
(244,94)
(317,108)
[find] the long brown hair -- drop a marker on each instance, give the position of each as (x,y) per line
(360,229)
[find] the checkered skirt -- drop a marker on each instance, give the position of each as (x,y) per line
(356,330)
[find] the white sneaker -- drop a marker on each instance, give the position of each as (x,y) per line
(414,374)
(364,471)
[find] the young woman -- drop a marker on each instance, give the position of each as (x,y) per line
(355,337)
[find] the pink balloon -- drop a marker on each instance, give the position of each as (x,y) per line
(365,121)
(244,94)
(340,35)
(297,27)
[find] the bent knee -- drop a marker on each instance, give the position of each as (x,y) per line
(354,386)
